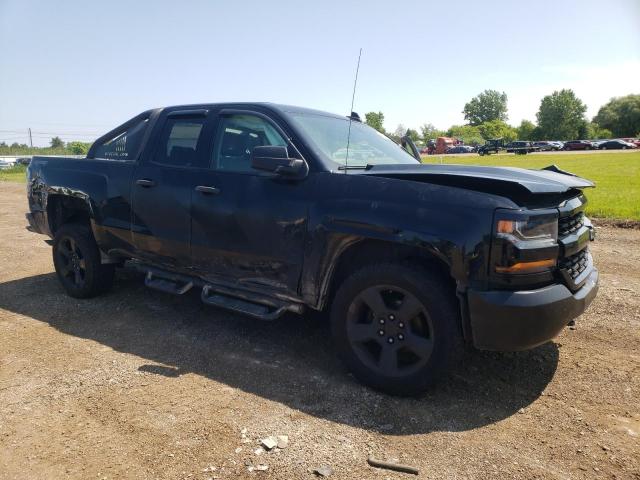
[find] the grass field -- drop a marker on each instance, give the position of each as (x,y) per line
(617,176)
(13,174)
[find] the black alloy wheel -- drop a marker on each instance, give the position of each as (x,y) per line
(390,330)
(73,266)
(397,326)
(78,262)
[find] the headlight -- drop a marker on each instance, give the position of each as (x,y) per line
(533,228)
(525,241)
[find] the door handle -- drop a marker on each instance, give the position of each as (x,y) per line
(207,190)
(145,182)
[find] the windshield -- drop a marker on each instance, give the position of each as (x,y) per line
(366,146)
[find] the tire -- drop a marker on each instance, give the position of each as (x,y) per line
(383,346)
(77,262)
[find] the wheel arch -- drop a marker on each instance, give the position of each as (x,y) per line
(63,209)
(360,253)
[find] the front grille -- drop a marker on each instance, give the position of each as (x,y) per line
(568,225)
(575,264)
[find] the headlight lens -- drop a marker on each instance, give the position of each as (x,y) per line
(525,241)
(530,229)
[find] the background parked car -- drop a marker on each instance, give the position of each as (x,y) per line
(7,162)
(615,145)
(578,145)
(460,149)
(546,146)
(635,141)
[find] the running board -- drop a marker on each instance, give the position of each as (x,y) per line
(212,296)
(165,284)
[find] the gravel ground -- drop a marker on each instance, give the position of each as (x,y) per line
(140,384)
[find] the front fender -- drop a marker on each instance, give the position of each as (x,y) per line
(430,220)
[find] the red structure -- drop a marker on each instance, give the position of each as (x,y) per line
(442,143)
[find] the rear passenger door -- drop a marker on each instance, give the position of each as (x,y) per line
(162,187)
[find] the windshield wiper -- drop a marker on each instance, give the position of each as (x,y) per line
(355,167)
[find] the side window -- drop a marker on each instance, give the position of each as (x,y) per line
(123,146)
(178,142)
(236,137)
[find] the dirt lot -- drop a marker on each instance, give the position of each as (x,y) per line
(140,384)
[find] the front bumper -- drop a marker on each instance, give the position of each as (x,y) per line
(505,320)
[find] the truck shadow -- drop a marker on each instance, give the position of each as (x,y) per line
(290,360)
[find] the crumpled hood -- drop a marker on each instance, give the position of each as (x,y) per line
(484,178)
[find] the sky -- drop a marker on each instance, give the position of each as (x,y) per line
(79,68)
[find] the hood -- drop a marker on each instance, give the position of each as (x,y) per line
(550,180)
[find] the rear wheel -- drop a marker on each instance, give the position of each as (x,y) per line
(396,327)
(77,262)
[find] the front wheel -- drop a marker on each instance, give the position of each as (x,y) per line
(396,327)
(77,262)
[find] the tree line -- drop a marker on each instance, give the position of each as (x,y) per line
(561,116)
(56,147)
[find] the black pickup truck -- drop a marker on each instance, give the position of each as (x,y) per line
(267,209)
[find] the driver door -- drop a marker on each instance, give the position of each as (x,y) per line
(248,226)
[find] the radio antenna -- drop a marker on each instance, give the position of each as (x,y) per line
(353,97)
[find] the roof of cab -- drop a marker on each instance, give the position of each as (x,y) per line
(286,109)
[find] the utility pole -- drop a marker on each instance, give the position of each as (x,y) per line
(30,139)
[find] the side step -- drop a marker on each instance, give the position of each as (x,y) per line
(231,297)
(167,284)
(213,296)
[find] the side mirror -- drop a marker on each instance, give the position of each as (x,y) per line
(275,159)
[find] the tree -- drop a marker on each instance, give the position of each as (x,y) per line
(561,116)
(413,134)
(78,148)
(526,130)
(594,131)
(621,115)
(497,129)
(56,142)
(375,120)
(429,132)
(399,131)
(468,134)
(488,105)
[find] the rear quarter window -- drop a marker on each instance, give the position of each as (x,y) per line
(123,146)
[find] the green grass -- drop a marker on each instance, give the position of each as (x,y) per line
(616,175)
(14,174)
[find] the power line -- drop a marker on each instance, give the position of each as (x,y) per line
(53,133)
(73,124)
